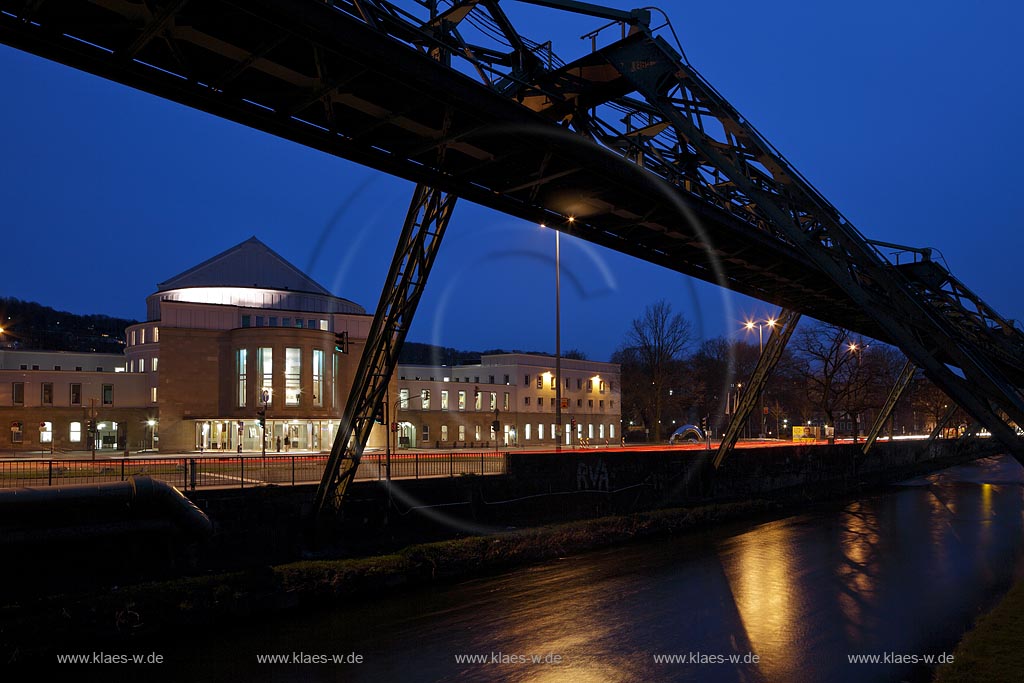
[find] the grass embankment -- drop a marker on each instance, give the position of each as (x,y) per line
(150,608)
(992,651)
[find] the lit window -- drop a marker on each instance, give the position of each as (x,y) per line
(477,431)
(600,430)
(265,361)
(462,432)
(462,400)
(444,432)
(540,385)
(318,377)
(403,399)
(292,376)
(323,325)
(75,432)
(46,393)
(526,432)
(142,365)
(155,359)
(611,431)
(425,400)
(494,401)
(142,335)
(505,404)
(156,336)
(444,400)
(552,382)
(133,338)
(152,394)
(602,387)
(45,432)
(476,400)
(540,431)
(242,374)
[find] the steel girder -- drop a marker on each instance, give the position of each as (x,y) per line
(424,227)
(902,382)
(928,334)
(785,325)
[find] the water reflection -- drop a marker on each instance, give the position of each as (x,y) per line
(904,571)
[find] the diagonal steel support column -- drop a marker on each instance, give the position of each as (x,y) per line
(902,382)
(787,321)
(424,227)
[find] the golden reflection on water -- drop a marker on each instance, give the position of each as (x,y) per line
(567,615)
(858,543)
(760,570)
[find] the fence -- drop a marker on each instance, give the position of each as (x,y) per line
(190,473)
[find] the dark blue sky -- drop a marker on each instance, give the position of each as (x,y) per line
(904,115)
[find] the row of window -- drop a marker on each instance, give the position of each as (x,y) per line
(478,400)
(138,336)
(142,364)
(292,376)
(601,384)
(579,402)
(272,321)
(78,368)
(580,382)
(74,432)
(527,432)
(46,394)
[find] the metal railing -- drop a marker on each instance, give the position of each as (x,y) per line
(243,471)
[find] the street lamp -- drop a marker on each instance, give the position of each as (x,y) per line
(152,433)
(760,325)
(857,350)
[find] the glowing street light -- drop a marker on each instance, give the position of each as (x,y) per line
(749,326)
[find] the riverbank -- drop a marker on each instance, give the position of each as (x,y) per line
(127,615)
(991,651)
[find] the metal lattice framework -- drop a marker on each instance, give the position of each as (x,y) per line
(629,139)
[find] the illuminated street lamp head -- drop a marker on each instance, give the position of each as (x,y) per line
(771,322)
(853,346)
(151,422)
(572,219)
(749,324)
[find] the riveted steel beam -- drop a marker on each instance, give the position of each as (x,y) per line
(785,325)
(902,382)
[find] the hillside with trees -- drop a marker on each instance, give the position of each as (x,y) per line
(30,325)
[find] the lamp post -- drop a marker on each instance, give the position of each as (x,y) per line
(856,349)
(152,433)
(761,324)
(558,336)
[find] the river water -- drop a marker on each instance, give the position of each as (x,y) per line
(898,574)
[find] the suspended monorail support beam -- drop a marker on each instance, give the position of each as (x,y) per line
(785,324)
(902,382)
(424,227)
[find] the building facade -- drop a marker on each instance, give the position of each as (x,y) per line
(439,406)
(242,337)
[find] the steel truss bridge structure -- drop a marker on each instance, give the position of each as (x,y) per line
(629,141)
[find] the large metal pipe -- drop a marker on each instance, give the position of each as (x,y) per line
(81,504)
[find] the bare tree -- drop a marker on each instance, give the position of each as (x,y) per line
(655,344)
(823,358)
